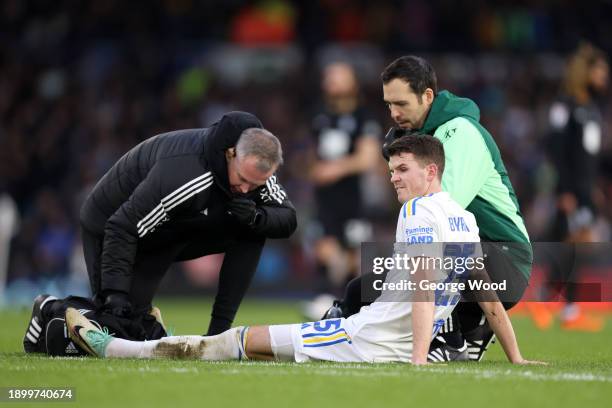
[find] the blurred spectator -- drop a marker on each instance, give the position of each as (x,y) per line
(270,22)
(8,227)
(82,82)
(576,125)
(346,146)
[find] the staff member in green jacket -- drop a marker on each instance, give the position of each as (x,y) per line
(475,177)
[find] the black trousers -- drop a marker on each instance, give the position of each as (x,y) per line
(239,265)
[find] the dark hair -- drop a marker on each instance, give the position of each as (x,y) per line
(419,74)
(425,148)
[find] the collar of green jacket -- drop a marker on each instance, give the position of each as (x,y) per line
(447,106)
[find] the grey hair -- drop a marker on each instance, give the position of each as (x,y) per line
(261,144)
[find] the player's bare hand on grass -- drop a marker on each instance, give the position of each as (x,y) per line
(427,363)
(530,362)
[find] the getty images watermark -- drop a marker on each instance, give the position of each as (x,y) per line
(395,272)
(455,278)
(487,271)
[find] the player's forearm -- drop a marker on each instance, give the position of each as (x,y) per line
(502,327)
(422,326)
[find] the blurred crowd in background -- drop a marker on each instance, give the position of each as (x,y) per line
(82,82)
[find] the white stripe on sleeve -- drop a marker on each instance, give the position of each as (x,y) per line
(175,198)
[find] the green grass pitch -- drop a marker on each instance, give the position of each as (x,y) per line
(579,375)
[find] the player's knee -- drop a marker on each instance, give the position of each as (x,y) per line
(258,342)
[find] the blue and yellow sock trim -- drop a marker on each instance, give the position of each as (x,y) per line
(242,341)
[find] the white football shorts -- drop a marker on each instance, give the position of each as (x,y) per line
(334,340)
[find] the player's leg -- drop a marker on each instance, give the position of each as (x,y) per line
(235,344)
(324,340)
(269,343)
(239,343)
(98,342)
(327,340)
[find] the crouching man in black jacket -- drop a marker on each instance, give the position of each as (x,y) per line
(179,196)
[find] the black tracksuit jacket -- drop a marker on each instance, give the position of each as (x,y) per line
(171,187)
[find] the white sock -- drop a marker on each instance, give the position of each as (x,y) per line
(224,346)
(121,348)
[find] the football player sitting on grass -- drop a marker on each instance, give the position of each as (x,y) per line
(397,327)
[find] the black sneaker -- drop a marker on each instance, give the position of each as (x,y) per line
(441,352)
(334,312)
(34,339)
(478,341)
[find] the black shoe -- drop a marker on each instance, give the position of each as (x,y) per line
(34,339)
(478,341)
(334,312)
(440,352)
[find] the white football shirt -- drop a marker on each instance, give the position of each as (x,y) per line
(384,328)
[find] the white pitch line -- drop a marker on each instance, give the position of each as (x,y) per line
(343,370)
(480,374)
(520,374)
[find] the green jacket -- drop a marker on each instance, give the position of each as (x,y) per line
(474,174)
